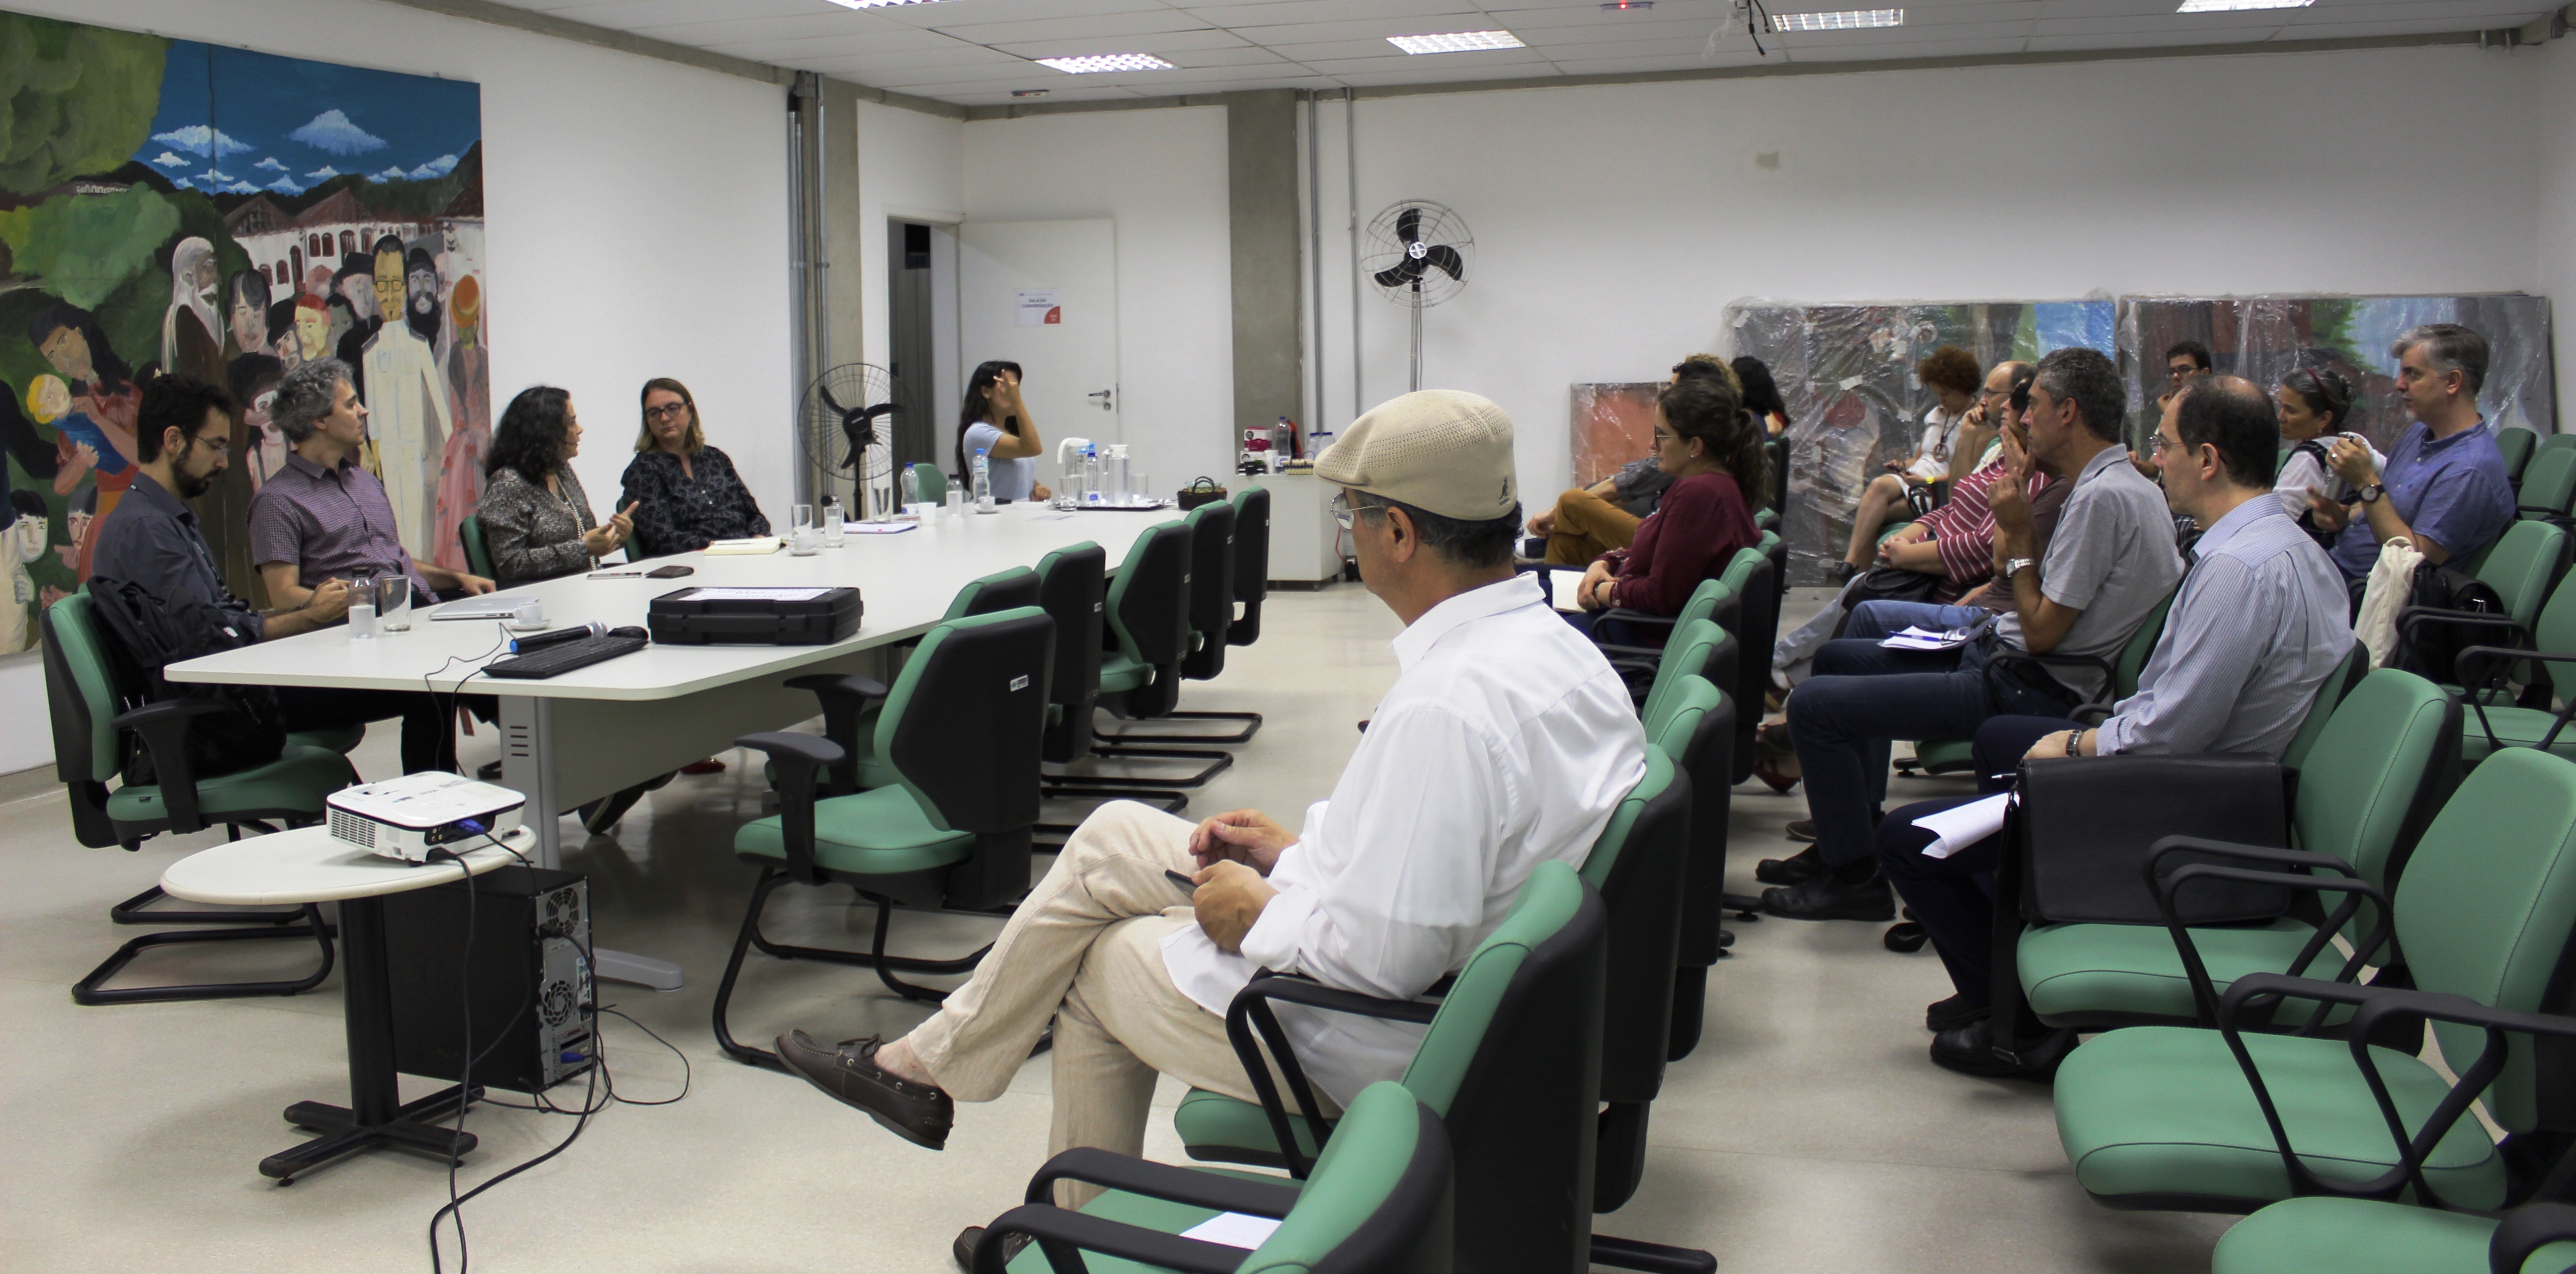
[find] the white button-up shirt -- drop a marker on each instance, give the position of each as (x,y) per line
(1506,741)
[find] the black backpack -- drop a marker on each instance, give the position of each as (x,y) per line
(2431,649)
(146,634)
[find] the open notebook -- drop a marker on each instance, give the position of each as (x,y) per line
(753,547)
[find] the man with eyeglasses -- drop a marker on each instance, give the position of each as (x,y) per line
(2444,487)
(151,539)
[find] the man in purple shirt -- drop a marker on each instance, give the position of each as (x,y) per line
(323,516)
(2445,486)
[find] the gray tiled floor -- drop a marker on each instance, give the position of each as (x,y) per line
(1808,1133)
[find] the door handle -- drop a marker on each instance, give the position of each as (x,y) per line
(1101,399)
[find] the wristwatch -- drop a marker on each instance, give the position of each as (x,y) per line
(2074,739)
(2015,566)
(2370,494)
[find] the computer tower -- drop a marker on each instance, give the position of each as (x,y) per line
(531,927)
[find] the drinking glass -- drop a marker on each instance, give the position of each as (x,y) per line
(393,603)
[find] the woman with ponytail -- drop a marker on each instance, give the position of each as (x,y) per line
(1713,452)
(2314,404)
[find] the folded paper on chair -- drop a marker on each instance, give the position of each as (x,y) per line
(1960,826)
(1233,1229)
(1914,638)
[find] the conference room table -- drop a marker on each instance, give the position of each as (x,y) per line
(585,734)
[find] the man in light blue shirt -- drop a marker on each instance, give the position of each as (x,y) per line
(2445,486)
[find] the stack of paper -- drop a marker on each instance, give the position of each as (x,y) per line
(1960,826)
(1564,587)
(1913,638)
(743,548)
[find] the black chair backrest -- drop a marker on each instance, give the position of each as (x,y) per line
(969,712)
(1644,894)
(1151,597)
(1073,590)
(1708,760)
(1007,590)
(1211,587)
(1761,620)
(1251,563)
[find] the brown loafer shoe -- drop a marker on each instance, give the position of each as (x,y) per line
(964,1248)
(915,1112)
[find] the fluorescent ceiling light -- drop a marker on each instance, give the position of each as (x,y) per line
(1455,41)
(2233,6)
(877,4)
(1107,62)
(1840,20)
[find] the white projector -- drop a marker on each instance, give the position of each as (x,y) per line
(407,817)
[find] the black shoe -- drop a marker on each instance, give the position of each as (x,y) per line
(1970,1050)
(1823,897)
(964,1248)
(1841,572)
(1952,1013)
(1800,830)
(1796,867)
(915,1112)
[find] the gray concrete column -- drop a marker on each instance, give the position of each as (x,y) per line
(1262,200)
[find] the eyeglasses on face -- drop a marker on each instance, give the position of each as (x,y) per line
(667,411)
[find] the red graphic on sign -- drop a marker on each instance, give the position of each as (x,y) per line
(1055,314)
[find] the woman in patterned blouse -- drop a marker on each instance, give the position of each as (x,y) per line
(689,492)
(536,519)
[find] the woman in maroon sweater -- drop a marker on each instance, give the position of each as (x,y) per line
(1715,457)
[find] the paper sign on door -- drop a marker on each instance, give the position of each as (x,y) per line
(1039,307)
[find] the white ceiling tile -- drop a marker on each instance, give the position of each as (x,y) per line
(2088,43)
(868,44)
(633,15)
(1168,44)
(972,12)
(1263,13)
(1161,21)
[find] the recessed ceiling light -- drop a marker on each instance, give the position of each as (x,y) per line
(2232,6)
(1029,92)
(1622,6)
(1455,41)
(877,4)
(1107,62)
(1840,20)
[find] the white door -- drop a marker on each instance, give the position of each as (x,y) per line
(1044,294)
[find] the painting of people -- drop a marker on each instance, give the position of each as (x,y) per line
(176,208)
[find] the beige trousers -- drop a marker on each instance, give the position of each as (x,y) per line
(1588,526)
(1085,948)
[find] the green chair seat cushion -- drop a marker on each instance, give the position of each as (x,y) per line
(296,781)
(1944,756)
(2135,970)
(1142,1212)
(2354,1236)
(877,833)
(1120,673)
(1212,1124)
(341,739)
(2164,1110)
(2524,727)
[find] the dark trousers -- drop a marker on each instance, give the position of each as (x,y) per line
(1953,898)
(1863,695)
(428,732)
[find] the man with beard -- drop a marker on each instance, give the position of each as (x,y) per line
(405,395)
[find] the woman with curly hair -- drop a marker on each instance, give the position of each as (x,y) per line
(1952,374)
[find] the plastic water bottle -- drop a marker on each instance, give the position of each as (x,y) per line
(911,491)
(1115,475)
(983,483)
(832,529)
(362,609)
(1091,474)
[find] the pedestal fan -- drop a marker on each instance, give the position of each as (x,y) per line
(847,427)
(1417,257)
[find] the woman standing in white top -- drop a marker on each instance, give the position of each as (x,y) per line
(1952,375)
(995,420)
(2314,403)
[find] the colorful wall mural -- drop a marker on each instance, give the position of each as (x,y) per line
(168,206)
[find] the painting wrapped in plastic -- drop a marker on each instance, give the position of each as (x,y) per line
(169,206)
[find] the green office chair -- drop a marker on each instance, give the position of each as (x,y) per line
(91,730)
(478,555)
(1149,637)
(1072,589)
(2516,445)
(2377,775)
(852,704)
(1957,756)
(1511,1062)
(2228,1120)
(1697,728)
(2321,709)
(1213,554)
(1251,563)
(959,734)
(2498,718)
(1379,1201)
(2353,1236)
(2546,487)
(933,483)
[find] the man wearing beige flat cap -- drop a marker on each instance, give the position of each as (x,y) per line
(1505,742)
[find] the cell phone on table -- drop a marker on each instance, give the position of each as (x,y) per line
(1187,885)
(659,572)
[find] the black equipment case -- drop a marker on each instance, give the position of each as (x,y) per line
(754,616)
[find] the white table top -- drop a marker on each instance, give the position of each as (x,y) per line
(304,864)
(906,582)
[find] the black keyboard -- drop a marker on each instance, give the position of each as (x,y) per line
(563,657)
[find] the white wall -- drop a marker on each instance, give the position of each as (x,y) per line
(1161,175)
(637,226)
(1614,223)
(2554,106)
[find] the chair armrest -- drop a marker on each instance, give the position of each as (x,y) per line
(1162,1181)
(1250,1012)
(164,728)
(844,698)
(2204,992)
(2411,618)
(1648,656)
(2478,657)
(2005,657)
(2526,1230)
(1627,616)
(1064,1235)
(799,758)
